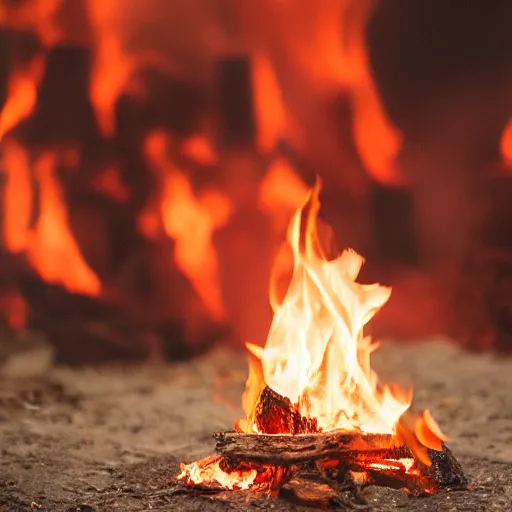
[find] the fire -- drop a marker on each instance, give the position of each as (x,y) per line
(52,249)
(268,103)
(190,220)
(209,470)
(313,376)
(315,52)
(281,192)
(316,354)
(49,245)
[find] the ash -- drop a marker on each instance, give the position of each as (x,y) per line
(111,438)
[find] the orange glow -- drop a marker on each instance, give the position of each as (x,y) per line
(21,94)
(110,183)
(36,16)
(199,149)
(282,192)
(208,470)
(316,354)
(190,219)
(506,144)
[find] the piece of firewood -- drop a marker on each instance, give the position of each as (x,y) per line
(300,449)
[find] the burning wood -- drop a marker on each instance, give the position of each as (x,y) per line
(315,409)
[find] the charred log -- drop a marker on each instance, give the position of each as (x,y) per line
(286,450)
(446,470)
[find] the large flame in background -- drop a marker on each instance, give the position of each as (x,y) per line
(317,50)
(190,219)
(298,52)
(49,245)
(316,354)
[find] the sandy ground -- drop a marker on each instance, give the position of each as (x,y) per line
(111,438)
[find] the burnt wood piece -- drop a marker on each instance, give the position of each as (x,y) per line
(445,469)
(286,450)
(275,414)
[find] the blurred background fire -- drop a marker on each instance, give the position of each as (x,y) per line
(152,153)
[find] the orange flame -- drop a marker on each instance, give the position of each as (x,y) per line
(190,220)
(52,250)
(317,50)
(209,470)
(268,103)
(18,197)
(21,94)
(377,140)
(506,144)
(50,246)
(346,62)
(281,193)
(316,354)
(113,65)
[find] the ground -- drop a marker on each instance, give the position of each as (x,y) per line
(111,438)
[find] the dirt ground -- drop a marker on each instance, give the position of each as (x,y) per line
(111,438)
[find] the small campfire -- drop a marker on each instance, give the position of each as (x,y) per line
(318,420)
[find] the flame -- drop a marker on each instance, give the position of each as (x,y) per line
(316,354)
(318,50)
(268,102)
(199,149)
(208,470)
(21,94)
(282,191)
(37,16)
(190,220)
(18,197)
(113,64)
(49,245)
(506,144)
(52,250)
(377,140)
